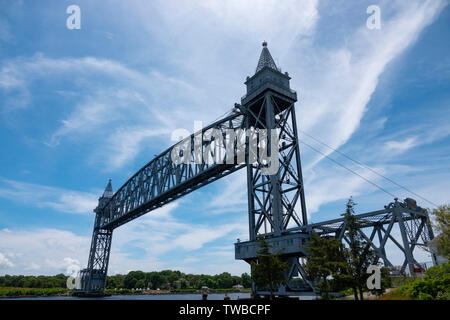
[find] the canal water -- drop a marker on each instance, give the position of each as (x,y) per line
(188,296)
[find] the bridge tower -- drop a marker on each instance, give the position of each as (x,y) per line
(93,278)
(276,202)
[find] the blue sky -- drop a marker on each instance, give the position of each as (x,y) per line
(80,106)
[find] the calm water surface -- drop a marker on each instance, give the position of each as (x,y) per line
(211,296)
(190,296)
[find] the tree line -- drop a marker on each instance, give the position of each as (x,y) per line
(57,281)
(164,280)
(168,279)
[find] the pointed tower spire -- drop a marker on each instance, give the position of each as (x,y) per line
(265,59)
(108,193)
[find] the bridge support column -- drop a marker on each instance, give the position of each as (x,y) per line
(409,259)
(93,278)
(382,250)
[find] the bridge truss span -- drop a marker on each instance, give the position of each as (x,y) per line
(163,180)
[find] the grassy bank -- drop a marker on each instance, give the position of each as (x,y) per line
(32,292)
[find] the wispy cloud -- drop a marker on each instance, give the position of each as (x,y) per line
(5,262)
(397,147)
(126,143)
(58,199)
(335,183)
(231,195)
(349,74)
(5,31)
(165,232)
(144,104)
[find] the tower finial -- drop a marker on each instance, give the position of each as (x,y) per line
(108,193)
(265,59)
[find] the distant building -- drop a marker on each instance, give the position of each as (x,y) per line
(238,286)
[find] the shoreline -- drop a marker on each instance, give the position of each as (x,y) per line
(143,293)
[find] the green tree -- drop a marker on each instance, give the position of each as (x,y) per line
(441,215)
(224,280)
(141,284)
(269,270)
(435,285)
(325,264)
(130,280)
(246,280)
(171,276)
(358,255)
(155,279)
(115,281)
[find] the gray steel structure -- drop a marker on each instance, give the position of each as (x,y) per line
(276,203)
(376,227)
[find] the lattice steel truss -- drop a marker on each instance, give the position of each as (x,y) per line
(162,180)
(377,228)
(273,198)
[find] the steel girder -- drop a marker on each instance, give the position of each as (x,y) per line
(273,199)
(162,180)
(377,229)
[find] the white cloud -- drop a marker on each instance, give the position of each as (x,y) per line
(334,183)
(398,147)
(46,250)
(4,262)
(53,251)
(401,142)
(231,194)
(126,143)
(33,266)
(59,199)
(159,232)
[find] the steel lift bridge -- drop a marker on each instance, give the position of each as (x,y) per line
(276,203)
